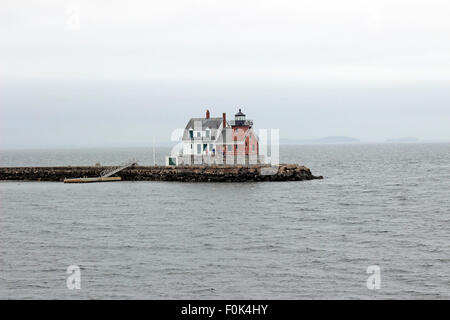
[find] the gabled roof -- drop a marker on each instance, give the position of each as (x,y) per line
(211,123)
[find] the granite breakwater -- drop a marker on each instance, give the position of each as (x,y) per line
(193,173)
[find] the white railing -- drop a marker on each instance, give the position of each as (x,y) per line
(112,171)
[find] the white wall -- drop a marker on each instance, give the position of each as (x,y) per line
(187,148)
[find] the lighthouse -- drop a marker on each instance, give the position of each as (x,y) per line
(245,140)
(240,121)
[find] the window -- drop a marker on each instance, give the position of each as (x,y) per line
(253,147)
(199,134)
(207,133)
(199,148)
(191,146)
(211,147)
(191,134)
(229,147)
(235,147)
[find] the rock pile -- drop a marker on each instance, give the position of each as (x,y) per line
(199,173)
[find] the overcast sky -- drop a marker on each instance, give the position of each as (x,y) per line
(118,73)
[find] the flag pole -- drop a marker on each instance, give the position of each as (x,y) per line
(154,154)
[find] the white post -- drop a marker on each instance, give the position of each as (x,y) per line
(154,154)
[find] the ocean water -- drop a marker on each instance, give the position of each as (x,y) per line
(380,204)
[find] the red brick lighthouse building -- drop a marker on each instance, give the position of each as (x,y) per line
(239,138)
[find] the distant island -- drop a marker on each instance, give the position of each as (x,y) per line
(404,139)
(325,140)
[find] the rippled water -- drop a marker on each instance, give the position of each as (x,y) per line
(385,205)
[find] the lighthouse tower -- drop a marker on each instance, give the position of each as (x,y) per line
(240,121)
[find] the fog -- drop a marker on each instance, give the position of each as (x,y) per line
(116,73)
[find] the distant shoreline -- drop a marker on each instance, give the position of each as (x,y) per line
(149,147)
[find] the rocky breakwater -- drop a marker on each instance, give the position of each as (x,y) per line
(195,173)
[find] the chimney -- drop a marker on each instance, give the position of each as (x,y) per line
(224,120)
(207,114)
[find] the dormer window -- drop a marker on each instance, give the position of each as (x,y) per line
(191,134)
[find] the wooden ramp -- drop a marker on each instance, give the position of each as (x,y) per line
(110,172)
(97,179)
(105,176)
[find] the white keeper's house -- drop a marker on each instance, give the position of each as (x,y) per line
(201,135)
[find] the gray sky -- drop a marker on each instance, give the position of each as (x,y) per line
(136,69)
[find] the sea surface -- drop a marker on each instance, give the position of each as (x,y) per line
(379,204)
